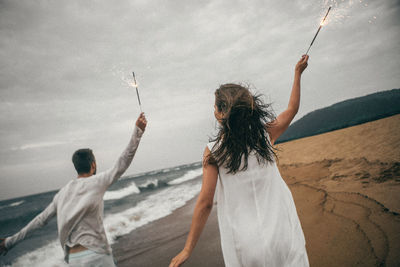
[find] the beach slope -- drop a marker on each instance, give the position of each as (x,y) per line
(346,186)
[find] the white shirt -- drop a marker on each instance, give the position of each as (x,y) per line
(79,207)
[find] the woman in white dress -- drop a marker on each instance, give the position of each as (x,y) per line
(257,217)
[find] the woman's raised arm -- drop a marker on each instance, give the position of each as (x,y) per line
(283,120)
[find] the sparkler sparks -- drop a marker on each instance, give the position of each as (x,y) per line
(320,26)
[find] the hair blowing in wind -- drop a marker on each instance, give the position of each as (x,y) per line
(243,128)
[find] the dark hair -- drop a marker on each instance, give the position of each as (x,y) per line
(243,128)
(83,159)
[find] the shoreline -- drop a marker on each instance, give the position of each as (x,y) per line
(156,243)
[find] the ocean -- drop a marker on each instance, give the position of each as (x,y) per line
(131,202)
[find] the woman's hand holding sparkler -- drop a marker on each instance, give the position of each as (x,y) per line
(302,64)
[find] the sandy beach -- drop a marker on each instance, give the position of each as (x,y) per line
(346,186)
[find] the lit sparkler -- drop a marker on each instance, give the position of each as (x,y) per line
(320,26)
(137,90)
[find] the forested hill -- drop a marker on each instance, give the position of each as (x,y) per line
(344,114)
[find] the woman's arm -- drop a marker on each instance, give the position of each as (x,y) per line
(282,122)
(201,211)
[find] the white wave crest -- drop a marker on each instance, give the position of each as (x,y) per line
(126,191)
(152,183)
(152,208)
(187,176)
(166,170)
(14,204)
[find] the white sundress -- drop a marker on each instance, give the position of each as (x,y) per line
(257,218)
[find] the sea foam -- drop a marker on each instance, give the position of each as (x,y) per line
(152,208)
(187,176)
(118,194)
(48,255)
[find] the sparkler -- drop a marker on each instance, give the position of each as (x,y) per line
(137,91)
(320,26)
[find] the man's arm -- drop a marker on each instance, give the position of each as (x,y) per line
(39,221)
(282,122)
(110,176)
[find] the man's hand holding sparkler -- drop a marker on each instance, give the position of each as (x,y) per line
(141,121)
(301,65)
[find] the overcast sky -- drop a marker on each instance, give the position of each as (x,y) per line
(66,65)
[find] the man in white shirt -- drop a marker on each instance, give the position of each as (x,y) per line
(79,208)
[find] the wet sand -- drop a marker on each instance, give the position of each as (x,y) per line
(346,186)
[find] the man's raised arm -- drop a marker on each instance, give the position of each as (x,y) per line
(110,176)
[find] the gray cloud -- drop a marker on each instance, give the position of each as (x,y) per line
(64,67)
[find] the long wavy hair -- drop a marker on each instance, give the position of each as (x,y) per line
(243,128)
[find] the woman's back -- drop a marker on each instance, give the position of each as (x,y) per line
(257,217)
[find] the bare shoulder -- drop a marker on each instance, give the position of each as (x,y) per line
(209,162)
(206,156)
